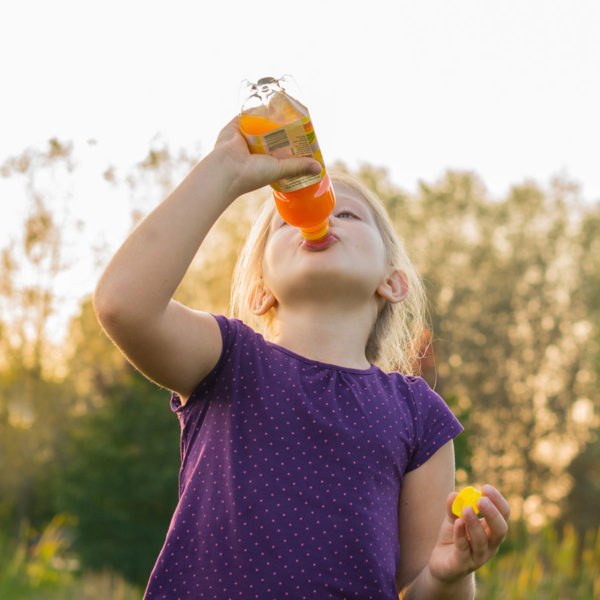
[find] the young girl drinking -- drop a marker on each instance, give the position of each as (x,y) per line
(307,471)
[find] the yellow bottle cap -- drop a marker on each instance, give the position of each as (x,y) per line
(466,497)
(315,233)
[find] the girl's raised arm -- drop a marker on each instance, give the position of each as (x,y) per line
(168,342)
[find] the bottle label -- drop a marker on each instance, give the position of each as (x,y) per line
(294,139)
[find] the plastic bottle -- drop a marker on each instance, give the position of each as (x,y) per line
(273,122)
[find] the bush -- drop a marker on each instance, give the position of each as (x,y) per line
(121,482)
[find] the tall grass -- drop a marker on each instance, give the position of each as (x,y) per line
(550,565)
(41,567)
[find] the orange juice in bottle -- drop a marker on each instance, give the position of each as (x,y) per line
(273,122)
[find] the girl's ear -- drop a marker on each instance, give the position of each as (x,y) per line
(394,288)
(262,299)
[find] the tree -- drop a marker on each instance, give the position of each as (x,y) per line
(121,478)
(510,327)
(34,403)
(582,506)
(92,362)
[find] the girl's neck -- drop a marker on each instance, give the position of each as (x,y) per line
(329,336)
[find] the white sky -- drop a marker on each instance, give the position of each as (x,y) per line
(509,89)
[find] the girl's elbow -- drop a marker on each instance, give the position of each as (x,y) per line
(110,311)
(105,310)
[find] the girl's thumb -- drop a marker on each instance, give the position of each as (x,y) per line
(292,167)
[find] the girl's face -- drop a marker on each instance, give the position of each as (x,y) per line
(352,266)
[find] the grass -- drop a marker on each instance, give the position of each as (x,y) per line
(41,567)
(549,565)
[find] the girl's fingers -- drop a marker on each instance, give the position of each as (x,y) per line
(478,538)
(449,502)
(461,541)
(232,128)
(497,499)
(292,167)
(496,523)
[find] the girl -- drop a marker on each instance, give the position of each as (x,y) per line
(307,471)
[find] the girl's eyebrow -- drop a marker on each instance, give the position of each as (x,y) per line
(350,205)
(354,204)
(350,199)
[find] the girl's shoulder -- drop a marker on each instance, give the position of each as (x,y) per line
(235,332)
(412,384)
(420,397)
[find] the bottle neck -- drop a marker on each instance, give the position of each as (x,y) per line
(315,233)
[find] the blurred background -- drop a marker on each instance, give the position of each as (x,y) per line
(476,122)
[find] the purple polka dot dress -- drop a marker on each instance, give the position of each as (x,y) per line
(291,471)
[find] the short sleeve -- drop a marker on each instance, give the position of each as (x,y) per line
(229,330)
(435,423)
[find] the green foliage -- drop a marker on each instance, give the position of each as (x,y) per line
(530,566)
(35,419)
(515,342)
(94,363)
(42,566)
(545,566)
(583,508)
(514,285)
(38,562)
(462,445)
(27,302)
(121,482)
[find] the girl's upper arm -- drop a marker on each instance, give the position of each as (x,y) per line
(175,351)
(421,510)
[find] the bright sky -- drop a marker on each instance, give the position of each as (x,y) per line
(509,89)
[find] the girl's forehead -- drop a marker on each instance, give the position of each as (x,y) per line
(349,197)
(344,193)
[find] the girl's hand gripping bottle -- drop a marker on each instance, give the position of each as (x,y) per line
(275,123)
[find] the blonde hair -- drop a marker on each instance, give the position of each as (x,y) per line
(395,340)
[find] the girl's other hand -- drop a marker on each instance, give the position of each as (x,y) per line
(249,172)
(465,544)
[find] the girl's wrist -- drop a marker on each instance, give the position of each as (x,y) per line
(428,587)
(229,172)
(463,587)
(223,175)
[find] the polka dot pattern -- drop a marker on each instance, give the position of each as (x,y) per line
(290,477)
